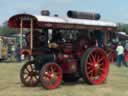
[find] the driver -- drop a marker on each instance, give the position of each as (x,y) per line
(56,39)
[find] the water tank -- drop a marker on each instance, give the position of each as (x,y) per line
(83,15)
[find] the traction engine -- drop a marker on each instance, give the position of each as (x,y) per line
(62,49)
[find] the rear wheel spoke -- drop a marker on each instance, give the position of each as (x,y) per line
(93,58)
(101,59)
(90,71)
(90,63)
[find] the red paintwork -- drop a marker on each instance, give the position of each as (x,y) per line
(36,41)
(26,51)
(97,66)
(69,66)
(67,60)
(14,22)
(126,56)
(68,54)
(49,71)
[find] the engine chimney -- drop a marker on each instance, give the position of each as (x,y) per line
(45,13)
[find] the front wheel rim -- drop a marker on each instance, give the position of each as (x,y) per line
(51,77)
(29,76)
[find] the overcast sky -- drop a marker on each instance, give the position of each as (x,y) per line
(111,10)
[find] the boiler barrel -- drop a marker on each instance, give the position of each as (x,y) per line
(83,15)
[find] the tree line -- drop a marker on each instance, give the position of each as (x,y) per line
(5,30)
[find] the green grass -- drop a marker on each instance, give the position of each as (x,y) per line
(10,85)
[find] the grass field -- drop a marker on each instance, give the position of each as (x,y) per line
(116,84)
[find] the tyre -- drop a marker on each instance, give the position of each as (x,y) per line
(94,66)
(51,75)
(29,76)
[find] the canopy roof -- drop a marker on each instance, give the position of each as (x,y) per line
(122,35)
(57,22)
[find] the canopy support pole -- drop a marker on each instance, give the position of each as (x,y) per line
(21,32)
(31,30)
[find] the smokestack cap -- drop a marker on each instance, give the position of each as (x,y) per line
(45,13)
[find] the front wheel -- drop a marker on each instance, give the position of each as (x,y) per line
(94,66)
(29,76)
(51,75)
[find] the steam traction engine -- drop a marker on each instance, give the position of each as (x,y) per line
(63,48)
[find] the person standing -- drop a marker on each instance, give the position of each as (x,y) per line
(120,55)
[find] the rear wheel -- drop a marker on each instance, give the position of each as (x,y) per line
(51,75)
(29,76)
(94,66)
